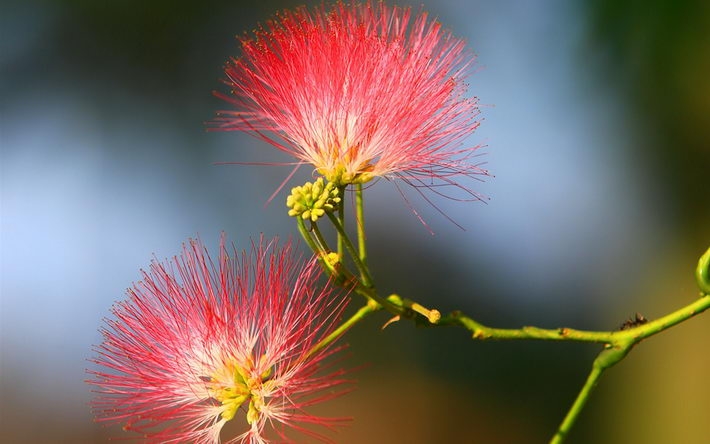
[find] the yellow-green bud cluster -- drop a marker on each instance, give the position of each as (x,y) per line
(342,176)
(312,200)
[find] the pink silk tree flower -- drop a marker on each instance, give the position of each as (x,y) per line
(359,91)
(197,344)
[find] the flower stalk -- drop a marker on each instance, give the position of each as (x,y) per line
(341,222)
(360,220)
(369,308)
(365,278)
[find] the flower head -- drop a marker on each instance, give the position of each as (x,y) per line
(358,91)
(198,344)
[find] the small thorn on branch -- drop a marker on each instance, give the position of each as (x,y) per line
(391,321)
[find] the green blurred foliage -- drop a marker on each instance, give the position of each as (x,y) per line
(659,54)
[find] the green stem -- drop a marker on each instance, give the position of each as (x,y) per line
(618,344)
(343,236)
(702,273)
(634,334)
(306,235)
(339,273)
(341,219)
(481,331)
(651,328)
(361,314)
(360,216)
(609,357)
(578,405)
(319,238)
(370,294)
(320,248)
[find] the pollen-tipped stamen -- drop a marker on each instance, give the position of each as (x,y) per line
(234,385)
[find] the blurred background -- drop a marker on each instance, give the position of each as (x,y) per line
(597,129)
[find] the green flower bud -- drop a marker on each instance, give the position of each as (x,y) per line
(312,200)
